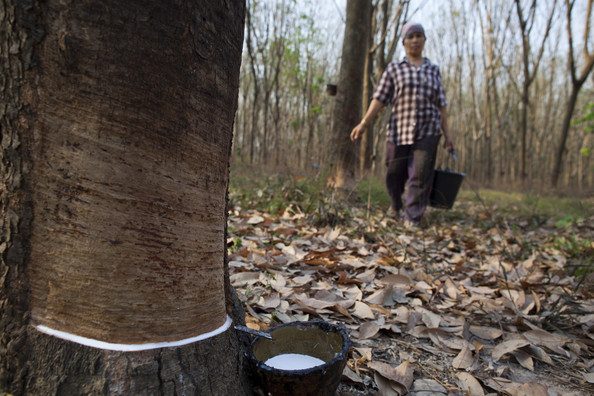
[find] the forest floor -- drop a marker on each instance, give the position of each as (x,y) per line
(494,296)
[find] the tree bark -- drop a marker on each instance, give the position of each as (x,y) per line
(347,111)
(577,81)
(116,139)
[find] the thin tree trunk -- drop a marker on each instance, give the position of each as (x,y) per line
(366,154)
(560,148)
(576,84)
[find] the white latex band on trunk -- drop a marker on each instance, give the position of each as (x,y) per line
(131,347)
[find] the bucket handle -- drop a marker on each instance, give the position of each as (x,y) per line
(453,156)
(253,332)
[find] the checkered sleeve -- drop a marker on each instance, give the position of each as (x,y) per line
(384,91)
(441,98)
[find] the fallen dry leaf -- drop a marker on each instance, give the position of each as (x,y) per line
(499,384)
(508,347)
(255,220)
(470,384)
(544,338)
(385,386)
(362,311)
(528,389)
(431,319)
(486,333)
(368,330)
(401,375)
(351,375)
(464,360)
(524,359)
(365,352)
(427,387)
(589,377)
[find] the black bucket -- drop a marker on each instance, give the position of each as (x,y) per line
(446,185)
(320,340)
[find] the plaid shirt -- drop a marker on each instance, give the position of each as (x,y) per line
(416,94)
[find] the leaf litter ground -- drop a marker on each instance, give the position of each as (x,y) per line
(477,302)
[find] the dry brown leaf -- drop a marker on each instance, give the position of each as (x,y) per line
(528,305)
(540,354)
(269,302)
(365,352)
(451,290)
(382,297)
(464,360)
(486,333)
(325,295)
(544,338)
(243,279)
(587,320)
(362,311)
(478,346)
(482,290)
(427,387)
(517,297)
(351,375)
(313,302)
(431,320)
(446,341)
(536,301)
(401,375)
(255,220)
(399,296)
(352,292)
(423,286)
(385,386)
(528,389)
(342,310)
(402,315)
(302,280)
(254,323)
(499,384)
(344,279)
(382,311)
(368,330)
(508,347)
(524,359)
(589,377)
(278,282)
(470,384)
(397,280)
(419,332)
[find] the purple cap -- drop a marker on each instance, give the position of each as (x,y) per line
(411,28)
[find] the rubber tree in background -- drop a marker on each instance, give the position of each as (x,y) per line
(526,19)
(578,78)
(116,122)
(343,153)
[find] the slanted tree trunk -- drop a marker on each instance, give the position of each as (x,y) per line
(116,125)
(347,111)
(578,78)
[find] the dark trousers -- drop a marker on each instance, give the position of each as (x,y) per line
(414,163)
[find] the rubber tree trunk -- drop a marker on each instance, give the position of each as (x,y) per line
(347,111)
(565,126)
(116,125)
